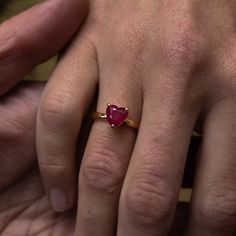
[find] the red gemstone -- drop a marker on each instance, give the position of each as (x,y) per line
(116,115)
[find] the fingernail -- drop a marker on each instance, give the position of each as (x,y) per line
(59,200)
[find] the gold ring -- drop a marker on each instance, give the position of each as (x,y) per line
(116,116)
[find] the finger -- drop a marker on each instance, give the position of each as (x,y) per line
(107,155)
(17,131)
(150,191)
(35,35)
(214,196)
(66,99)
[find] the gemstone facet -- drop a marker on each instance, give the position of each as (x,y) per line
(116,115)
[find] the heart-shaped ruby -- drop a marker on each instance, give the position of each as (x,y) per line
(116,115)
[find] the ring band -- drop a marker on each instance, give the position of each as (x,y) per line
(103,116)
(116,116)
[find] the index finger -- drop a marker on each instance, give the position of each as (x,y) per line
(36,35)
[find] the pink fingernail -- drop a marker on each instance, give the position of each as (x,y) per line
(59,200)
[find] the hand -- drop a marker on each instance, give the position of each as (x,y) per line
(35,35)
(24,207)
(172,63)
(18,111)
(25,210)
(25,41)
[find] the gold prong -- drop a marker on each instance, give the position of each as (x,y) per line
(112,126)
(108,104)
(126,109)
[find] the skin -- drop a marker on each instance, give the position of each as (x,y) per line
(35,35)
(172,63)
(24,206)
(178,71)
(25,41)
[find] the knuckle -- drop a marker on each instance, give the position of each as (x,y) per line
(57,173)
(132,37)
(151,200)
(224,66)
(54,170)
(7,48)
(182,51)
(56,113)
(48,166)
(27,53)
(218,208)
(14,48)
(103,170)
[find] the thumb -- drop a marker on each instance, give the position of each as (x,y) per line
(36,35)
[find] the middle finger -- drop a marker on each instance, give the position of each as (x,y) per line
(151,187)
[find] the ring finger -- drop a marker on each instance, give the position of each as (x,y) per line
(106,157)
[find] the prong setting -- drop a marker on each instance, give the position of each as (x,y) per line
(116,116)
